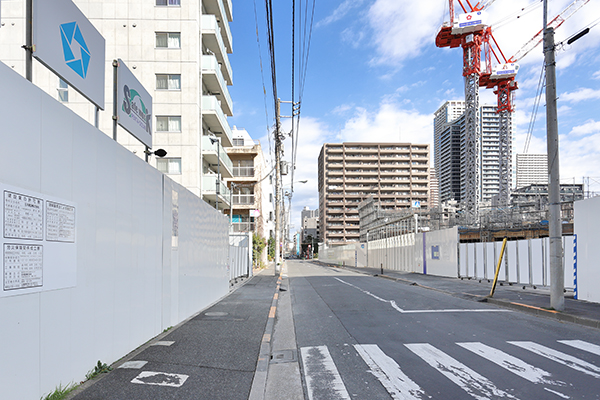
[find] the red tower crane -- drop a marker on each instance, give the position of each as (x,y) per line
(474,36)
(467,31)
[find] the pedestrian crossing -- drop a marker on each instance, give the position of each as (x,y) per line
(402,382)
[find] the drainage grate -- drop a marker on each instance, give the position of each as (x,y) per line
(284,356)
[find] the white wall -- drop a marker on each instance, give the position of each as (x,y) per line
(587,221)
(132,278)
(525,261)
(401,253)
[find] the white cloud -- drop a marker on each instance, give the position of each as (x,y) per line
(340,12)
(589,127)
(596,75)
(402,29)
(390,123)
(580,95)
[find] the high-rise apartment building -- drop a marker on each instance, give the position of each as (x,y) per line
(396,174)
(532,169)
(449,151)
(178,50)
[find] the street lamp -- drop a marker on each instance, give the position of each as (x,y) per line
(218,182)
(160,153)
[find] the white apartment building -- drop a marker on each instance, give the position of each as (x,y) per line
(449,151)
(178,49)
(532,169)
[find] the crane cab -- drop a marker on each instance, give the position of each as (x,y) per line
(503,71)
(470,22)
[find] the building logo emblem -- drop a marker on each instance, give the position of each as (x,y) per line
(135,108)
(75,50)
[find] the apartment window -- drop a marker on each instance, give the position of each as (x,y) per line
(168,3)
(170,166)
(270,197)
(168,123)
(271,218)
(63,91)
(168,81)
(168,40)
(238,141)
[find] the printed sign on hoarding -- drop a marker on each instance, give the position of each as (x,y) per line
(65,41)
(134,105)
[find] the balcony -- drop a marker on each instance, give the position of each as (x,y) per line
(211,38)
(242,199)
(213,80)
(209,152)
(243,172)
(209,191)
(215,119)
(242,226)
(222,10)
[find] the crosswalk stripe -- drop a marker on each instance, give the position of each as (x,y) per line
(581,345)
(398,385)
(560,357)
(470,381)
(323,380)
(510,363)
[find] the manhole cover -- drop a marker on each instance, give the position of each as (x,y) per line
(216,314)
(283,356)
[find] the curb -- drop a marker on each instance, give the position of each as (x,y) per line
(259,383)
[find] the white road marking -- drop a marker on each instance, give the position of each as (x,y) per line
(581,345)
(323,380)
(398,385)
(400,310)
(133,364)
(162,343)
(510,363)
(564,396)
(561,358)
(160,379)
(470,381)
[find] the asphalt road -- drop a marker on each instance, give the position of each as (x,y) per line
(362,337)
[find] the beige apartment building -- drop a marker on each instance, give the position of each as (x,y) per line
(395,174)
(250,187)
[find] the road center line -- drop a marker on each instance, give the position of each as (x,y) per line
(400,310)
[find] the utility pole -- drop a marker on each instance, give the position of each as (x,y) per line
(557,278)
(277,186)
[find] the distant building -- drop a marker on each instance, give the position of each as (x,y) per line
(395,174)
(251,189)
(449,151)
(532,169)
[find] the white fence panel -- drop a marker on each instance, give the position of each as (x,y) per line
(240,255)
(146,258)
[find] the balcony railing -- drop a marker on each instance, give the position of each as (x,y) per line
(216,120)
(210,150)
(212,77)
(242,199)
(242,226)
(243,172)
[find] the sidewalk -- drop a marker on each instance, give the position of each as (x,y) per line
(214,353)
(516,297)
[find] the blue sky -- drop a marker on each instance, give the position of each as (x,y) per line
(375,74)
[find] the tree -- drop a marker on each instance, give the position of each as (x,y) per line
(271,250)
(258,245)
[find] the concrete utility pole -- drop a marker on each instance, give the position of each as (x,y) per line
(557,276)
(277,187)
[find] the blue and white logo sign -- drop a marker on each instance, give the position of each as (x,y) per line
(77,55)
(66,42)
